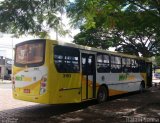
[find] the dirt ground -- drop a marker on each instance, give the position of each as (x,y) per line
(133,107)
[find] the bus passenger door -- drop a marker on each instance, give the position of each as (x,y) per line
(88,76)
(149,74)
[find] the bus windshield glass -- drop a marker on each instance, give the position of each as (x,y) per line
(31,53)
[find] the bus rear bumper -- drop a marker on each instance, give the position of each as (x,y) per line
(43,99)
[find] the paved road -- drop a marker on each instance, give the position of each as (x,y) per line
(18,111)
(146,105)
(5,86)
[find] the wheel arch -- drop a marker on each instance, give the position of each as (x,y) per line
(102,94)
(143,83)
(104,85)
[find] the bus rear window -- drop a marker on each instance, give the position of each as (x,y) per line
(29,53)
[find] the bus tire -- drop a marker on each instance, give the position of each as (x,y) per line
(102,95)
(142,87)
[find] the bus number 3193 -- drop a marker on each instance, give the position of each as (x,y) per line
(66,75)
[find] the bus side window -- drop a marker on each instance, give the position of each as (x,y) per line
(134,66)
(103,63)
(116,64)
(126,65)
(66,59)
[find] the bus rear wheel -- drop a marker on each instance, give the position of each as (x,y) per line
(142,87)
(102,94)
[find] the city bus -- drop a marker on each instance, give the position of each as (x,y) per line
(51,72)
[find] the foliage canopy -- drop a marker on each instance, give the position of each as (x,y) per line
(132,26)
(35,17)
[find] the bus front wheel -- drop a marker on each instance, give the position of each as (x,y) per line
(102,94)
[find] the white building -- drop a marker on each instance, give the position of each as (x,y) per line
(5,67)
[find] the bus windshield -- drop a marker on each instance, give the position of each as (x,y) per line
(29,53)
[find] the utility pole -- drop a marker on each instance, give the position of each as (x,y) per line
(12,61)
(56,32)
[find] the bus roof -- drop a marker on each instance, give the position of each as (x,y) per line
(92,49)
(98,50)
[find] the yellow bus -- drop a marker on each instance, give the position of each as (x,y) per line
(51,72)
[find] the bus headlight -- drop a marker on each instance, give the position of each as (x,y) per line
(43,84)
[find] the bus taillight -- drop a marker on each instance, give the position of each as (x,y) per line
(43,85)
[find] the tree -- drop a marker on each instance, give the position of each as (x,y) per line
(94,37)
(132,25)
(34,17)
(110,11)
(130,42)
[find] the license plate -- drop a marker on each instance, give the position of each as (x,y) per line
(26,90)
